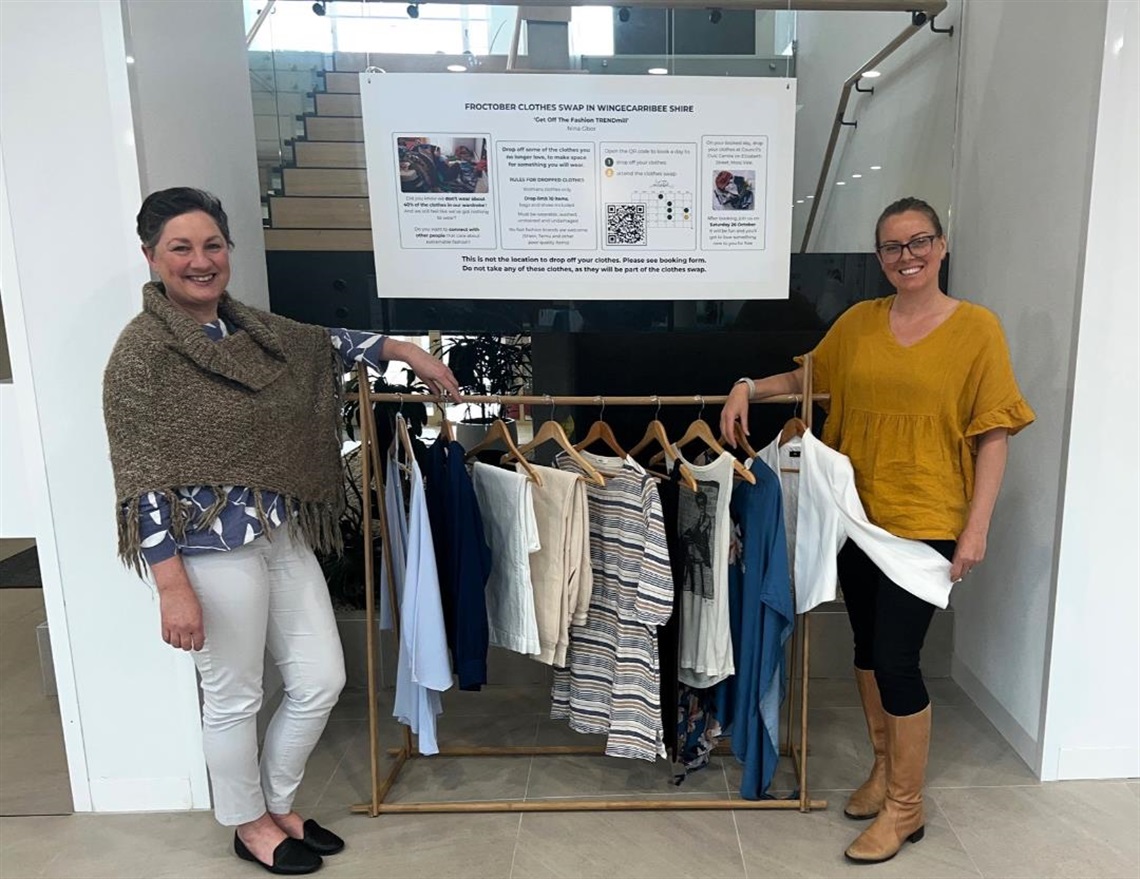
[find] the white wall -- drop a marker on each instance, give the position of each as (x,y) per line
(194,116)
(1092,718)
(906,126)
(1027,108)
(17,504)
(71,279)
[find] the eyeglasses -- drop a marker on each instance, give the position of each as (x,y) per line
(919,246)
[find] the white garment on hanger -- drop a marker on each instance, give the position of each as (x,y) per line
(829,511)
(560,570)
(705,531)
(507,508)
(423,668)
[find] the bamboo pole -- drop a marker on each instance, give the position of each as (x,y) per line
(582,400)
(393,599)
(678,804)
(369,578)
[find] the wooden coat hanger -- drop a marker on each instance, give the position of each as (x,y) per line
(499,431)
(655,433)
(403,440)
(600,431)
(552,430)
(796,426)
(700,430)
(446,430)
(741,440)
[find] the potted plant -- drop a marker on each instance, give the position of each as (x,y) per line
(489,366)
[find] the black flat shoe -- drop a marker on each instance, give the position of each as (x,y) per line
(290,858)
(318,839)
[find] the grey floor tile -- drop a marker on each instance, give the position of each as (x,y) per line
(966,750)
(1064,829)
(629,845)
(1134,786)
(573,776)
(791,844)
(325,759)
(473,730)
(441,846)
(434,779)
(33,761)
(124,846)
(495,700)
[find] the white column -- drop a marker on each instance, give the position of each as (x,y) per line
(194,117)
(1092,715)
(71,278)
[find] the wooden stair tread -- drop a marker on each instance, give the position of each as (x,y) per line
(335,182)
(319,239)
(310,212)
(328,154)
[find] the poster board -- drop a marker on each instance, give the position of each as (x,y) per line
(553,186)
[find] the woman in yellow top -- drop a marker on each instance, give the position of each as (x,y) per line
(923,402)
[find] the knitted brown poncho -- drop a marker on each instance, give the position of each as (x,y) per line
(260,408)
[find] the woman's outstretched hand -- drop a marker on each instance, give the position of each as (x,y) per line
(735,412)
(429,369)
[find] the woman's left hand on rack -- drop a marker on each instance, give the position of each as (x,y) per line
(429,369)
(969,553)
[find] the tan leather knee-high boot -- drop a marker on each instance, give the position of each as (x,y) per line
(902,819)
(868,799)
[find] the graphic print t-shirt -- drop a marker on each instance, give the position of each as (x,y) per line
(704,529)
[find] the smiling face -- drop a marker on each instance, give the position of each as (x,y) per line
(193,261)
(906,270)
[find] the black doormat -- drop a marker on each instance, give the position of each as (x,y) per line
(21,571)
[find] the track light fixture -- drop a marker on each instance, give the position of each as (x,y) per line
(623,14)
(319,8)
(413,10)
(715,16)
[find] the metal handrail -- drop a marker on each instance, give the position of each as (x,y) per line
(258,22)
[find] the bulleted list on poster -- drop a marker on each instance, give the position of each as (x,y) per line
(592,187)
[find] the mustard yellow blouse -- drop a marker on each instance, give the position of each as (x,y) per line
(907,416)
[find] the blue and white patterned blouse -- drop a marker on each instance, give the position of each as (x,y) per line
(238,523)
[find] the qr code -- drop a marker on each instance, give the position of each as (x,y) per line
(625,224)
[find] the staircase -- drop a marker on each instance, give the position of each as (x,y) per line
(319,200)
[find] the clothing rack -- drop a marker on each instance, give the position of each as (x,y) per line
(372,475)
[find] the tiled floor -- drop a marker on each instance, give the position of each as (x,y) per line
(987,816)
(33,765)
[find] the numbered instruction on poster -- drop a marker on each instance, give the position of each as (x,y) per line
(549,186)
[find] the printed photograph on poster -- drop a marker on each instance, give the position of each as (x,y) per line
(734,190)
(442,163)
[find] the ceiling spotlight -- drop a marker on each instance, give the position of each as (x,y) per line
(871,74)
(319,8)
(856,176)
(715,16)
(623,14)
(658,71)
(876,167)
(457,68)
(799,201)
(841,183)
(809,196)
(413,10)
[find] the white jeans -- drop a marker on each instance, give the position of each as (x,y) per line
(265,594)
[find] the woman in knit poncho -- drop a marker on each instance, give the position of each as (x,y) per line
(223,423)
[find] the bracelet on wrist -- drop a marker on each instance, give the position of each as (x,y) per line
(751,385)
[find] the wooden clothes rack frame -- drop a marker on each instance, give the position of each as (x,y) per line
(372,474)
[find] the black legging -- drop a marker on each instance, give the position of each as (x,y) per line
(889,625)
